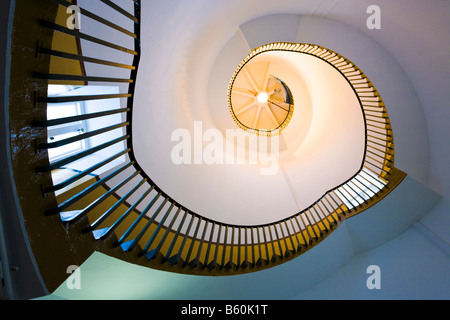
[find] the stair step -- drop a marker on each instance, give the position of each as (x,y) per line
(99,234)
(126,245)
(67,216)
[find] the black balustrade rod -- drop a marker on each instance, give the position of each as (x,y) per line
(166,233)
(238,263)
(330,213)
(375,148)
(372,102)
(381,169)
(194,262)
(208,248)
(360,81)
(299,246)
(384,158)
(213,263)
(60,143)
(382,116)
(364,182)
(327,205)
(136,222)
(65,99)
(80,155)
(333,204)
(252,236)
(350,74)
(348,68)
(364,89)
(102,234)
(368,195)
(260,260)
(88,190)
(343,195)
(370,99)
(269,258)
(370,184)
(369,94)
(283,236)
(97,18)
(360,192)
(307,243)
(108,213)
(175,259)
(72,56)
(386,128)
(289,236)
(330,208)
(385,134)
(272,243)
(84,173)
(363,85)
(376,113)
(352,194)
(342,62)
(99,200)
(372,173)
(150,255)
(377,145)
(194,238)
(175,237)
(245,263)
(378,138)
(378,107)
(319,220)
(358,76)
(80,35)
(306,216)
(381,162)
(335,199)
(280,247)
(71,77)
(225,241)
(120,10)
(230,262)
(210,237)
(87,116)
(349,185)
(135,241)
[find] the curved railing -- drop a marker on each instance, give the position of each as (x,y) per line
(121,211)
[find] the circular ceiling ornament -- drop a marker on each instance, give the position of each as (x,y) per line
(260,103)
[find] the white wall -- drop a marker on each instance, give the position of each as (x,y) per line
(192,87)
(417,273)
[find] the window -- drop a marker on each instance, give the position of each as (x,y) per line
(64,131)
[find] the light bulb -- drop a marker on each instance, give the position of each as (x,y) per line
(263,97)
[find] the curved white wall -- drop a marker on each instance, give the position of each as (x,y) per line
(193,87)
(173,95)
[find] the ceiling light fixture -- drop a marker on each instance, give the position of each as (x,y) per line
(263,97)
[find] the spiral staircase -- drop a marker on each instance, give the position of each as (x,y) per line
(91,179)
